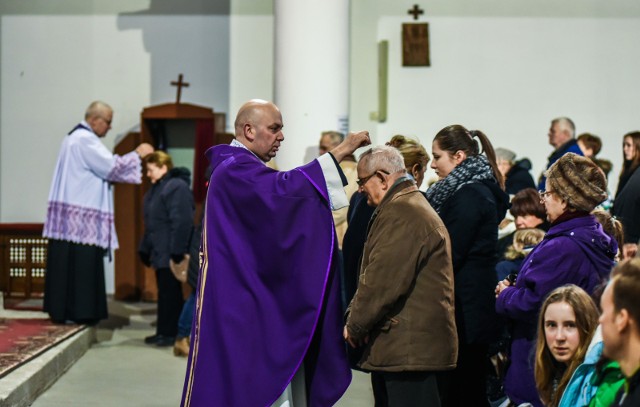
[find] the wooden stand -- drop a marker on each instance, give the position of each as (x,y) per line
(134,281)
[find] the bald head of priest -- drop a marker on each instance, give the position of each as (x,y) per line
(259,127)
(268,292)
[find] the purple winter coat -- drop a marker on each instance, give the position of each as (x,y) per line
(576,251)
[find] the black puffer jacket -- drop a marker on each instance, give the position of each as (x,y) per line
(627,208)
(518,177)
(168,219)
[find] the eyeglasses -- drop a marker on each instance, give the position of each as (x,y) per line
(106,121)
(544,194)
(364,180)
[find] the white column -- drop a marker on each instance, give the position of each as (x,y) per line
(311,68)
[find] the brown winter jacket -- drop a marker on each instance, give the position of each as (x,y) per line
(405,298)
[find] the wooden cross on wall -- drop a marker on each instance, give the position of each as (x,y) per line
(416,11)
(415,41)
(179,84)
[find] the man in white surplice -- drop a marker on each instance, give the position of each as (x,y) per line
(79,222)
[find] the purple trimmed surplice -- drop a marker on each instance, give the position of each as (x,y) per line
(80,208)
(268,294)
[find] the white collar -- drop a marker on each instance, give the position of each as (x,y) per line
(236,143)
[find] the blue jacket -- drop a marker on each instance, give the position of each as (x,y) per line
(506,267)
(570,146)
(586,380)
(576,251)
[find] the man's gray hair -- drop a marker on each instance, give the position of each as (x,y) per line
(385,158)
(567,122)
(97,109)
(505,154)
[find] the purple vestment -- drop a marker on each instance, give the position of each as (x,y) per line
(268,295)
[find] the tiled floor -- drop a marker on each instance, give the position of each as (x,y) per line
(120,370)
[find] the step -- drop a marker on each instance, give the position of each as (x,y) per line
(23,385)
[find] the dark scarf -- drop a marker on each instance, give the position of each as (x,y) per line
(476,168)
(80,126)
(568,215)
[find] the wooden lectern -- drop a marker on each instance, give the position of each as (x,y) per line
(198,129)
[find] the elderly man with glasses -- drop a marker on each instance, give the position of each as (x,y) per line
(403,310)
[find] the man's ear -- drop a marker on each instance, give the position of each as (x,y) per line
(384,184)
(92,122)
(247,129)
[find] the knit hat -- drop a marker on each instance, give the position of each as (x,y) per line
(504,154)
(578,181)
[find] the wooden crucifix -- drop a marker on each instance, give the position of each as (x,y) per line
(415,41)
(416,11)
(179,84)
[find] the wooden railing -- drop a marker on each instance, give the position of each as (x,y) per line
(23,259)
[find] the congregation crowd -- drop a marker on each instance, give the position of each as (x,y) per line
(483,288)
(527,286)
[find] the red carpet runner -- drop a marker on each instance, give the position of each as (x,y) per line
(23,339)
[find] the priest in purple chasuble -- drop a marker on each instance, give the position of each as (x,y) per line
(268,298)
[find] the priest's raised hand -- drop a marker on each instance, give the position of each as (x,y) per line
(351,143)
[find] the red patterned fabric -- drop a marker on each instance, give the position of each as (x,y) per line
(23,339)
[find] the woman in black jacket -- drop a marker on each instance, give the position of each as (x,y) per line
(626,205)
(168,220)
(470,199)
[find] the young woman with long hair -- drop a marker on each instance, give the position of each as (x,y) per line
(470,199)
(627,201)
(568,319)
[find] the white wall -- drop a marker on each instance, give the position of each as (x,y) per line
(250,61)
(68,62)
(510,77)
(506,67)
